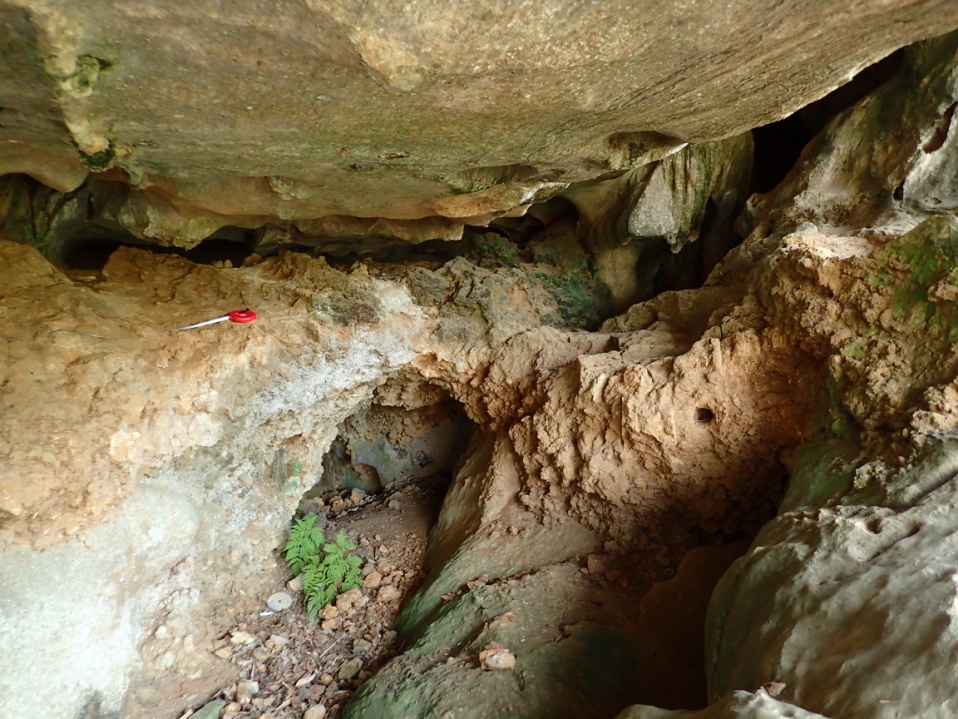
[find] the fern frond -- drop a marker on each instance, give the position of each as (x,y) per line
(314,604)
(326,567)
(304,542)
(344,544)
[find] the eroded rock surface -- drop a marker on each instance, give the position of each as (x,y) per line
(855,287)
(209,116)
(152,470)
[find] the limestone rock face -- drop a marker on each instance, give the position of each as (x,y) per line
(844,605)
(150,470)
(195,446)
(219,115)
(851,605)
(846,599)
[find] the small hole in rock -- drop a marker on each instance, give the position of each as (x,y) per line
(704,414)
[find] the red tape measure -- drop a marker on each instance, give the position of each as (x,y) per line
(242,316)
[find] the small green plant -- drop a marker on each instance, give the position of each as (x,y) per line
(328,568)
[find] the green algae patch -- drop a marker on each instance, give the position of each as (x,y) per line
(491,250)
(920,269)
(820,472)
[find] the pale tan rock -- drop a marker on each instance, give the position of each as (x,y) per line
(388,593)
(240,637)
(329,625)
(495,657)
(347,602)
(245,691)
(597,563)
(372,580)
(305,680)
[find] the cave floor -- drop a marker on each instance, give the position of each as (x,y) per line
(297,663)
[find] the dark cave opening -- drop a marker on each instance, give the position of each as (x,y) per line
(229,247)
(383,448)
(779,145)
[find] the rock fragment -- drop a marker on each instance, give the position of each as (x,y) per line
(245,691)
(241,637)
(350,669)
(388,594)
(496,657)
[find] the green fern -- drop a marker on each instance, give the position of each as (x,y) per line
(305,539)
(326,576)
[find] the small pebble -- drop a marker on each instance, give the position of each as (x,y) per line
(261,703)
(394,504)
(278,640)
(350,669)
(496,657)
(350,600)
(245,691)
(331,624)
(279,601)
(326,678)
(361,646)
(315,712)
(295,584)
(597,563)
(388,594)
(305,680)
(773,689)
(373,580)
(239,637)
